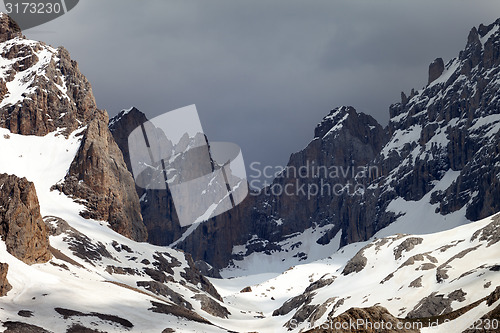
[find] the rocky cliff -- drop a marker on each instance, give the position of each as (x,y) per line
(157,206)
(21,225)
(42,91)
(99,175)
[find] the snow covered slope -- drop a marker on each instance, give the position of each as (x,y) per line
(93,268)
(414,277)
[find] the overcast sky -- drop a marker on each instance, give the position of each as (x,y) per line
(261,73)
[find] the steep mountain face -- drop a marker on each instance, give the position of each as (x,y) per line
(99,175)
(326,177)
(21,225)
(344,144)
(157,206)
(42,91)
(9,29)
(440,153)
(95,276)
(41,87)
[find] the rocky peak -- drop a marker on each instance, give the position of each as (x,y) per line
(334,120)
(54,95)
(8,28)
(436,68)
(52,101)
(481,48)
(473,37)
(131,117)
(484,30)
(445,125)
(122,125)
(346,118)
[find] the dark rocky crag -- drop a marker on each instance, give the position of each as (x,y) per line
(99,175)
(455,120)
(157,206)
(21,225)
(60,99)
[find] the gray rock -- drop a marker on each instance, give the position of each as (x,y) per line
(436,68)
(436,304)
(406,246)
(211,306)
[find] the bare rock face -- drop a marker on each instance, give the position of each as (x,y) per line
(60,99)
(4,284)
(8,28)
(435,304)
(212,307)
(157,206)
(21,225)
(436,68)
(122,125)
(357,263)
(99,175)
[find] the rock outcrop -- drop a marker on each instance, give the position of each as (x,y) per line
(57,95)
(371,319)
(21,225)
(99,175)
(4,284)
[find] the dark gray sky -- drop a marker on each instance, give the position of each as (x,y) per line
(262,73)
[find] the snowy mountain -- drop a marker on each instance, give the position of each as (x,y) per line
(434,167)
(413,280)
(72,250)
